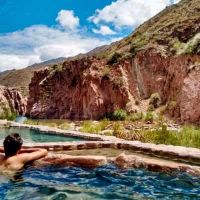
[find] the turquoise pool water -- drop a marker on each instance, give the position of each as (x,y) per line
(29,135)
(108,182)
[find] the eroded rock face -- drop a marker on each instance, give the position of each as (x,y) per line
(11,101)
(176,79)
(79,91)
(190,96)
(168,76)
(89,88)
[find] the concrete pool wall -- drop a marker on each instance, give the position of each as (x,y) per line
(181,155)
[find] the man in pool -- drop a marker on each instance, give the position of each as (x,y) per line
(16,158)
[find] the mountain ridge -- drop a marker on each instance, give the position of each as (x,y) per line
(21,78)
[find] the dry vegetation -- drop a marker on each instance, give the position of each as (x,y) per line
(178,24)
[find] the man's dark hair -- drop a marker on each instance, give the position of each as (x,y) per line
(12,144)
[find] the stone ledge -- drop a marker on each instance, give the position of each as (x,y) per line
(98,141)
(154,164)
(49,130)
(165,151)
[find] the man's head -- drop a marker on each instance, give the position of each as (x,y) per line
(12,144)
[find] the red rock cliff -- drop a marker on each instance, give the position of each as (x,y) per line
(83,89)
(89,88)
(176,79)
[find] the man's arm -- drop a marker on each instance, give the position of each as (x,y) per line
(29,150)
(34,155)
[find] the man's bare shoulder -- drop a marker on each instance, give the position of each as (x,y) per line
(18,161)
(12,163)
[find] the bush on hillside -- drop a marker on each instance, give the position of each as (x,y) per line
(149,117)
(155,100)
(114,58)
(117,115)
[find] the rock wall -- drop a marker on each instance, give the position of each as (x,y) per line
(89,88)
(81,90)
(176,79)
(11,103)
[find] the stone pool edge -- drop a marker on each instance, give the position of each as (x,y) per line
(100,141)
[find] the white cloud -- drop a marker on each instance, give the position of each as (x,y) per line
(176,1)
(40,43)
(67,19)
(11,61)
(104,30)
(129,13)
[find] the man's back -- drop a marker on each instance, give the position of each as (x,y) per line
(17,162)
(10,164)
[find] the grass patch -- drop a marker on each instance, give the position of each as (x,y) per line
(6,112)
(94,127)
(118,130)
(189,136)
(133,117)
(64,126)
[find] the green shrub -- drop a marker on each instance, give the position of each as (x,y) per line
(177,46)
(119,115)
(135,117)
(106,72)
(133,49)
(149,117)
(6,112)
(56,67)
(139,42)
(155,100)
(10,116)
(114,58)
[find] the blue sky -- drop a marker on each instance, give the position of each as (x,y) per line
(37,30)
(18,14)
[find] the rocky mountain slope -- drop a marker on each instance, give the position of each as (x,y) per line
(11,103)
(161,56)
(176,30)
(21,78)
